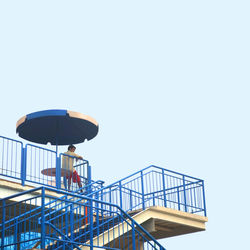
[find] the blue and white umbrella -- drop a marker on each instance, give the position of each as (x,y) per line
(56,126)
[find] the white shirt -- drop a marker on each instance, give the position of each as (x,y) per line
(67,162)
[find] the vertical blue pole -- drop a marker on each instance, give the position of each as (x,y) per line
(131,200)
(43,220)
(102,212)
(23,165)
(133,235)
(142,191)
(89,178)
(204,200)
(178,199)
(71,222)
(90,213)
(164,189)
(91,224)
(58,172)
(184,193)
(97,217)
(15,234)
(67,221)
(120,188)
(3,225)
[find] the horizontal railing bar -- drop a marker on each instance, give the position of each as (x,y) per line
(22,193)
(171,171)
(177,187)
(45,149)
(10,139)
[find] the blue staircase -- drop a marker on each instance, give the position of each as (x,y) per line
(69,222)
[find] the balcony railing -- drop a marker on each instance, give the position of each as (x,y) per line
(155,186)
(152,186)
(37,166)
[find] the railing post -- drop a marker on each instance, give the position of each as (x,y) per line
(3,224)
(131,200)
(204,200)
(153,199)
(133,235)
(184,193)
(178,199)
(89,179)
(120,188)
(58,172)
(91,224)
(164,189)
(16,234)
(90,210)
(23,165)
(142,191)
(97,214)
(71,219)
(43,220)
(102,212)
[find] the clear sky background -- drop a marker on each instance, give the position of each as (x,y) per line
(168,82)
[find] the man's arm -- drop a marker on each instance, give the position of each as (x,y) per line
(77,156)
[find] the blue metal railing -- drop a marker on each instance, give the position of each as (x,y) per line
(81,169)
(36,160)
(155,186)
(152,186)
(10,157)
(76,221)
(26,163)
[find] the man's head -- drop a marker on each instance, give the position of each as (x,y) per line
(71,148)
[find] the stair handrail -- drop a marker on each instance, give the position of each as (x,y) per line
(91,200)
(114,205)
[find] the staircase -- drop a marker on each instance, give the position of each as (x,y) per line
(68,222)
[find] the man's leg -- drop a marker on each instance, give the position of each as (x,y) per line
(80,186)
(65,182)
(69,183)
(78,179)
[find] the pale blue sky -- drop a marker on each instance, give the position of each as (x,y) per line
(168,82)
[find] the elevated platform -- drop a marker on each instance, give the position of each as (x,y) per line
(160,222)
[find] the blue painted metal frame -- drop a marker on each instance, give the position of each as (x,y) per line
(174,190)
(139,190)
(10,157)
(150,186)
(45,218)
(39,158)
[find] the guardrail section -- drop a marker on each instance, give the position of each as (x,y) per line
(10,157)
(38,159)
(155,186)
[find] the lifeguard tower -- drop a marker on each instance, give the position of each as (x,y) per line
(37,211)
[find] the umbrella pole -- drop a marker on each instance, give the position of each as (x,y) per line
(58,174)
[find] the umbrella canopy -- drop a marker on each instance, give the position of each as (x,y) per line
(58,127)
